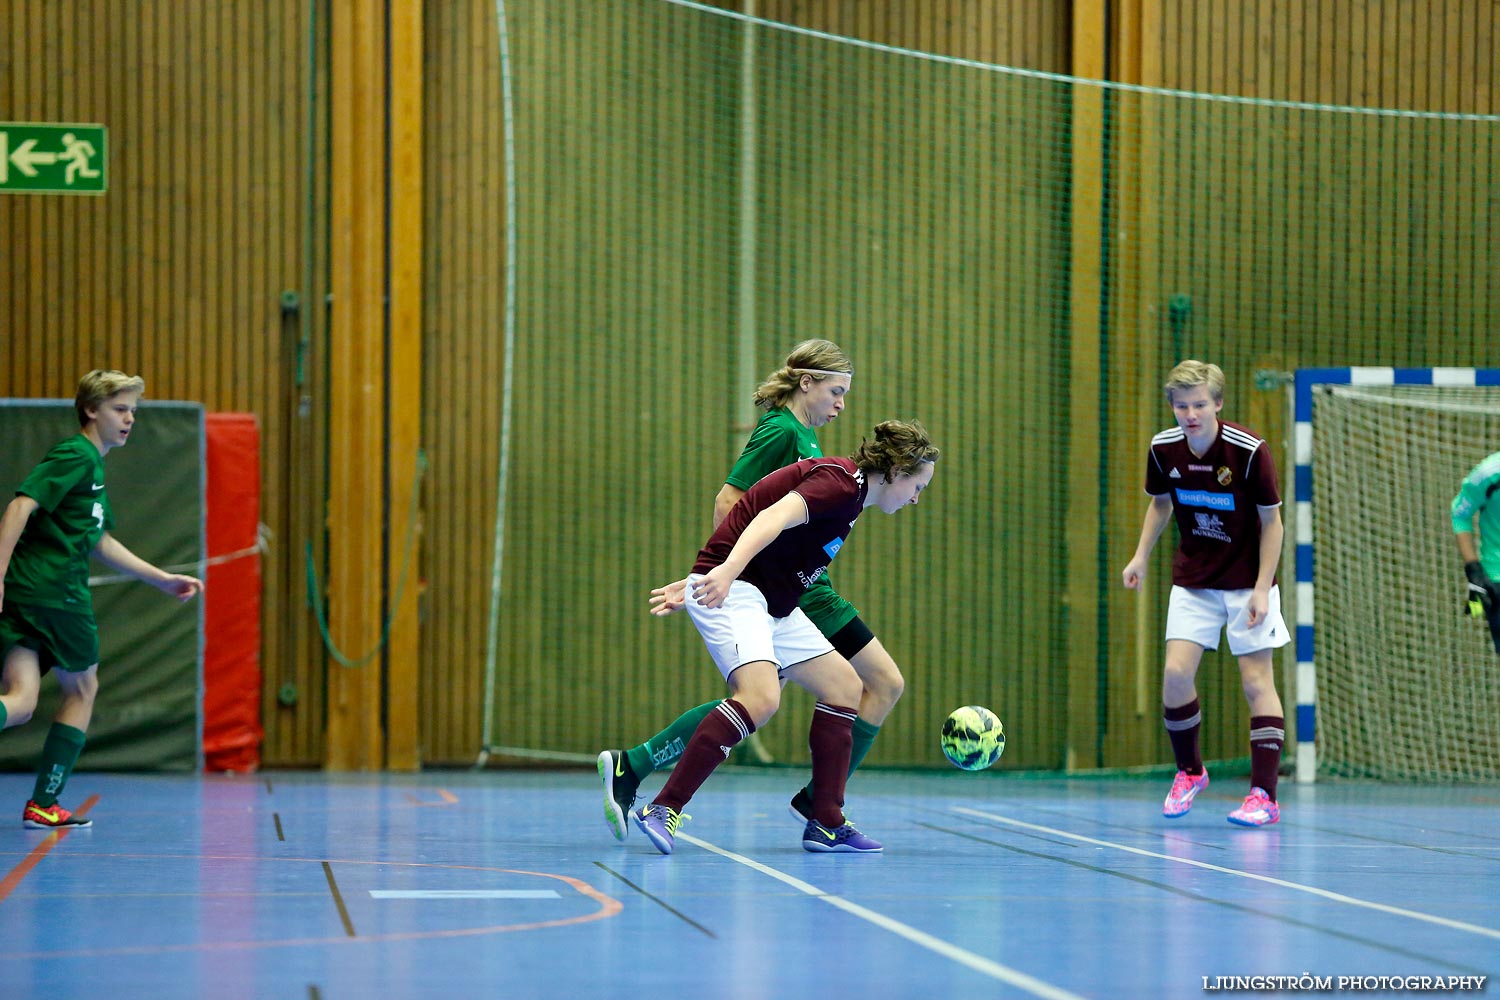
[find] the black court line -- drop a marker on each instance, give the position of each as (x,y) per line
(338,899)
(658,901)
(279,834)
(1425,956)
(1471,834)
(1475,853)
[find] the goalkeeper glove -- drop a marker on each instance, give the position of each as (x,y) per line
(1483,592)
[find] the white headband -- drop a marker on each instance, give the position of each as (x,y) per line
(820,371)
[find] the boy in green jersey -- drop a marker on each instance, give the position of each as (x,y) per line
(60,516)
(804,394)
(1476,506)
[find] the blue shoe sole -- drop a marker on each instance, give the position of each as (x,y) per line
(828,844)
(662,843)
(813,847)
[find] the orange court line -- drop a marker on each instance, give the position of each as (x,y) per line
(608,907)
(40,851)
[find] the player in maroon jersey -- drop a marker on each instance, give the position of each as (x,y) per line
(1219,481)
(742,596)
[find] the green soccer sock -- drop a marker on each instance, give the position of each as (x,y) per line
(667,745)
(864,738)
(59,754)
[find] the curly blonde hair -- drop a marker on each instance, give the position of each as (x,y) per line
(819,358)
(900,448)
(99,385)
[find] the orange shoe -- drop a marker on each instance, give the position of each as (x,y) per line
(53,817)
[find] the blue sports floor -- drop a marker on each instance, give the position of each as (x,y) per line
(507,884)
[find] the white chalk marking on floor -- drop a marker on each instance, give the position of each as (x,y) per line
(1337,897)
(952,952)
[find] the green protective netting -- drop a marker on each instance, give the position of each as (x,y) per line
(691,192)
(1407,685)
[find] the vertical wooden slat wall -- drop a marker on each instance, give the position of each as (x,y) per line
(1088,347)
(177,271)
(405,679)
(463,358)
(358,391)
(1035,34)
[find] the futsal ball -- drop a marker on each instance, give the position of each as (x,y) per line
(973,738)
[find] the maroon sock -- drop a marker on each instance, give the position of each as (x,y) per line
(830,738)
(709,747)
(1267,734)
(1183,723)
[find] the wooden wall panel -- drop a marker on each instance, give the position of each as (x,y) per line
(177,271)
(463,364)
(358,390)
(1436,56)
(1035,34)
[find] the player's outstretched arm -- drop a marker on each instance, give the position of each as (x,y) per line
(113,553)
(1158,513)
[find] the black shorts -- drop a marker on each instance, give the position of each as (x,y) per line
(853,637)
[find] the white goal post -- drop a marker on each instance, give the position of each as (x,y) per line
(1380,634)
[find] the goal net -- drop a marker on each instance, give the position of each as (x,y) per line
(1407,686)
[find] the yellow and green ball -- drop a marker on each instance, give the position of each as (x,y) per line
(973,738)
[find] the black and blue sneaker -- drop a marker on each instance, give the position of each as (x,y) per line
(620,785)
(801,806)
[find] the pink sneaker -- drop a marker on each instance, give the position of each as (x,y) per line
(1185,788)
(1258,810)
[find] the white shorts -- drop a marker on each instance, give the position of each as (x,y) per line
(742,631)
(1198,615)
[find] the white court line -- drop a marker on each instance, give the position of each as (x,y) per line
(464,894)
(1337,897)
(953,952)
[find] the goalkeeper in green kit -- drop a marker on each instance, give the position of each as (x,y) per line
(1477,505)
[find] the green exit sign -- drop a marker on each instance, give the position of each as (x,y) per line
(54,158)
